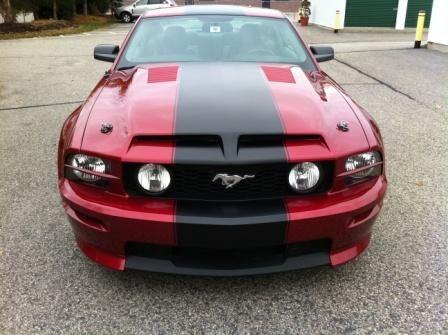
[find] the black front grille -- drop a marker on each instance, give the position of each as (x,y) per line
(195,182)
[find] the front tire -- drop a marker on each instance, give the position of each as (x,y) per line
(126,17)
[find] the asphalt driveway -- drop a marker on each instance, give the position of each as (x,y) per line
(398,286)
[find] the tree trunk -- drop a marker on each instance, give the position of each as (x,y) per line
(55,9)
(6,5)
(74,7)
(85,8)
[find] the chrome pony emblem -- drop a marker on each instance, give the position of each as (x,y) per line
(230,181)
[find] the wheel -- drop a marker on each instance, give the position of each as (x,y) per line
(126,17)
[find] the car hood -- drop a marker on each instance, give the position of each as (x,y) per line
(222,100)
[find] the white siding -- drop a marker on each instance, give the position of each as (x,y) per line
(401,14)
(323,12)
(438,28)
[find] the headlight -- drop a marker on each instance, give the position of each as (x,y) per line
(363,160)
(304,176)
(154,178)
(87,163)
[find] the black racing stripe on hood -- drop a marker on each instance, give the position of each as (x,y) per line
(225,100)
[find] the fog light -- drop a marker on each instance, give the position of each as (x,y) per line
(304,177)
(154,178)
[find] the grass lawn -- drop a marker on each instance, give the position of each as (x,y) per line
(40,28)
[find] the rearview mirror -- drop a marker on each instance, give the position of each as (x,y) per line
(322,53)
(106,52)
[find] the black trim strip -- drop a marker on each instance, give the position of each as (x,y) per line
(166,266)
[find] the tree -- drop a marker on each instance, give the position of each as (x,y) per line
(5,7)
(55,9)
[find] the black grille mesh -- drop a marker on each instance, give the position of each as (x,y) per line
(194,182)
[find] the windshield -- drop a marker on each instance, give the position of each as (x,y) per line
(215,38)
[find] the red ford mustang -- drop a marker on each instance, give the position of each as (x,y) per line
(216,146)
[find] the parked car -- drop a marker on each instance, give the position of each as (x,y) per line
(215,145)
(129,13)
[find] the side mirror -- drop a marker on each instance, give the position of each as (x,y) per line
(106,52)
(322,53)
(134,4)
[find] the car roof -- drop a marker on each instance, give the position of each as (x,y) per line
(215,10)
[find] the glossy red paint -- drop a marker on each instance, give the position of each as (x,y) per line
(319,111)
(141,104)
(345,217)
(125,218)
(101,257)
(341,257)
(139,110)
(107,221)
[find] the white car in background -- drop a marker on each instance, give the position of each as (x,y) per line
(128,13)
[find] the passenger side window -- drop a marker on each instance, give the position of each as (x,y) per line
(141,3)
(155,2)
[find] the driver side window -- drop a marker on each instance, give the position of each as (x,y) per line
(141,3)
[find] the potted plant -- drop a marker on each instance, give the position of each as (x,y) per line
(304,12)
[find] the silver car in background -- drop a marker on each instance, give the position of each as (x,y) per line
(128,13)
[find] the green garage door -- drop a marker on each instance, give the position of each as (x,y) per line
(412,12)
(379,13)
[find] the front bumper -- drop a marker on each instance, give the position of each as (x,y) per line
(225,239)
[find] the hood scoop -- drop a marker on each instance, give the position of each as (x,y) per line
(279,74)
(214,149)
(162,74)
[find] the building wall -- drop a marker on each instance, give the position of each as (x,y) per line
(323,12)
(282,5)
(438,28)
(414,6)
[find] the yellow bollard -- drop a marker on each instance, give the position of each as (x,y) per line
(337,22)
(420,27)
